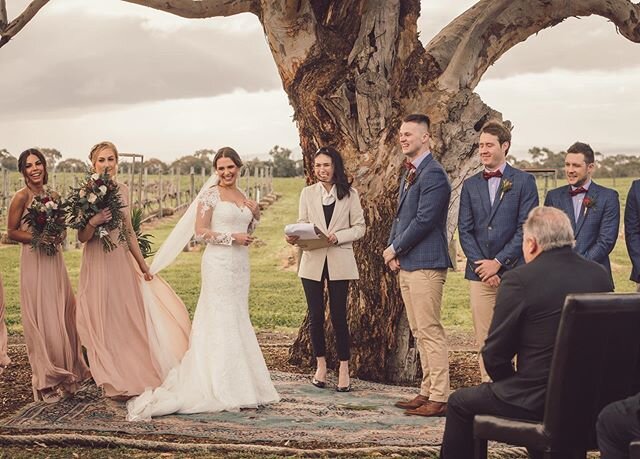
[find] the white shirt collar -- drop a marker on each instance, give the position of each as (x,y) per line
(328,197)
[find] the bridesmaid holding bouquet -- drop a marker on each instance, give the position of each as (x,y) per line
(47,303)
(113,319)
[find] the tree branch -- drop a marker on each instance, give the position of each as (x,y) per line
(290,28)
(476,39)
(198,9)
(3,15)
(15,26)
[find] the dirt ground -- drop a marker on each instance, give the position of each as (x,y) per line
(15,393)
(15,382)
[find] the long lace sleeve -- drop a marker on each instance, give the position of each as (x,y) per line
(206,204)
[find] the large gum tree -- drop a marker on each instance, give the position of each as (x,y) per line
(351,70)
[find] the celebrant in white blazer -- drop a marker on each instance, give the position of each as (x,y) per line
(334,208)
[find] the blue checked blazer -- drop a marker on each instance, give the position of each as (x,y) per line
(419,230)
(596,231)
(632,228)
(487,232)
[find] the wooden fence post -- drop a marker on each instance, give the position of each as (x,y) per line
(178,180)
(145,183)
(192,184)
(160,196)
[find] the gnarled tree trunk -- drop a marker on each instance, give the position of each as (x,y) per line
(352,69)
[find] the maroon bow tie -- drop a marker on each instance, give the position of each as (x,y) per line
(487,175)
(577,191)
(408,165)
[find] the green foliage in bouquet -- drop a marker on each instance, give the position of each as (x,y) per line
(97,192)
(143,238)
(46,218)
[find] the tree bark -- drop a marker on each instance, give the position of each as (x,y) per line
(352,69)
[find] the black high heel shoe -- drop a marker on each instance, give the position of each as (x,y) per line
(343,389)
(318,384)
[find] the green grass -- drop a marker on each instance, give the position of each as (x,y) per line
(276,298)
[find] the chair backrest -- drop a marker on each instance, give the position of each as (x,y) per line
(595,362)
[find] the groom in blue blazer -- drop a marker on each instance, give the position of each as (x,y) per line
(418,251)
(494,205)
(594,210)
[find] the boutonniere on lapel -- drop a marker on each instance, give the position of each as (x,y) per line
(588,203)
(410,176)
(506,186)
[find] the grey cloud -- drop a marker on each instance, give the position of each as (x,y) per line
(577,44)
(75,61)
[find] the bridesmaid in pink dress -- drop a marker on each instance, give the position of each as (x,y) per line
(4,357)
(112,319)
(46,299)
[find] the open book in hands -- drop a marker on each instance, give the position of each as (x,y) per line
(310,237)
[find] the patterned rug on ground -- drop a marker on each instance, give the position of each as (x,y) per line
(305,417)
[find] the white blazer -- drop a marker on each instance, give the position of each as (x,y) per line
(347,223)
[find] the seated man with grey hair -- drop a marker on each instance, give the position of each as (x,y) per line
(526,318)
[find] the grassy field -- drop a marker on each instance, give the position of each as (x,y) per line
(276,298)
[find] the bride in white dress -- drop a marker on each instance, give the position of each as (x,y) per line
(223,369)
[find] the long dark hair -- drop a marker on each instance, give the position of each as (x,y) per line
(342,183)
(22,163)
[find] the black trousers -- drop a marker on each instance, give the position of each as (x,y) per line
(618,425)
(338,290)
(462,406)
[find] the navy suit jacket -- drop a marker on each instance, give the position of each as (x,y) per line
(632,228)
(596,231)
(419,231)
(487,232)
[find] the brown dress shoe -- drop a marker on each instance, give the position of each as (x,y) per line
(429,409)
(412,404)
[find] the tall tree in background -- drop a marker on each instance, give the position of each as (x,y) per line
(351,70)
(7,160)
(283,165)
(52,156)
(205,154)
(72,165)
(155,166)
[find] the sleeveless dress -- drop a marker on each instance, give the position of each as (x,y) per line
(113,323)
(223,369)
(48,310)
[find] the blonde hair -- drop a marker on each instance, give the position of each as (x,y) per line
(97,148)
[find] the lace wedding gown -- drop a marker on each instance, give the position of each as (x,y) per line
(223,369)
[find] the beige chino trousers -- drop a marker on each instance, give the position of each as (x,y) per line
(422,295)
(483,301)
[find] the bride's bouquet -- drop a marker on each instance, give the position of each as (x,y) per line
(45,216)
(97,192)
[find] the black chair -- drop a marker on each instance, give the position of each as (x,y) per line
(595,362)
(634,450)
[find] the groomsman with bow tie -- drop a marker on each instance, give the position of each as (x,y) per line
(594,210)
(494,204)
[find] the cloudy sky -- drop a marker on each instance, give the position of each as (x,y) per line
(164,86)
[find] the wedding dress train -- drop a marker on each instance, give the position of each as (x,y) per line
(223,369)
